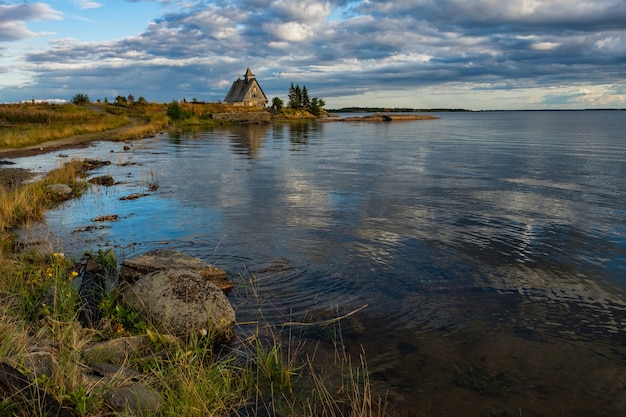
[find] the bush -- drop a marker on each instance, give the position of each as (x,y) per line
(176,112)
(80,98)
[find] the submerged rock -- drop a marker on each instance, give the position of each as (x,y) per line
(105,180)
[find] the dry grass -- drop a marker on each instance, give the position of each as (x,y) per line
(268,372)
(30,124)
(29,202)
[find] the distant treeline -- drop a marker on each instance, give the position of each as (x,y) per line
(389,110)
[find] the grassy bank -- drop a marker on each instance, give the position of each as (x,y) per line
(266,371)
(30,124)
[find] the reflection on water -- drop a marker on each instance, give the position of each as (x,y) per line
(491,239)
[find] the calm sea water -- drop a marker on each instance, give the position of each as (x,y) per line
(489,240)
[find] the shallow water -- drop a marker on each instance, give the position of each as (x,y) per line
(495,239)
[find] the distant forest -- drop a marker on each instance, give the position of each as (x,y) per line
(389,110)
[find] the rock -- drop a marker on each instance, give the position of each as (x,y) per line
(181,303)
(63,191)
(92,279)
(91,164)
(106,218)
(40,362)
(116,350)
(163,259)
(109,370)
(134,196)
(137,399)
(105,180)
(21,392)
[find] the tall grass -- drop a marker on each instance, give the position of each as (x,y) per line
(268,371)
(30,124)
(29,202)
(155,123)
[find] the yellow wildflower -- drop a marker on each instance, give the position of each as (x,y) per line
(74,274)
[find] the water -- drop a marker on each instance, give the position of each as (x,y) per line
(480,239)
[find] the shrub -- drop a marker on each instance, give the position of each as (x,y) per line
(176,112)
(80,98)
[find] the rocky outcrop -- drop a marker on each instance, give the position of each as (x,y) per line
(176,294)
(383,117)
(244,117)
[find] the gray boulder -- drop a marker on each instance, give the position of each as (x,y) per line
(63,191)
(136,398)
(181,303)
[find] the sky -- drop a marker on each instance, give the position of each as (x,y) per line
(471,54)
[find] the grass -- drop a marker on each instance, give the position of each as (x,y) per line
(30,124)
(478,378)
(267,371)
(29,202)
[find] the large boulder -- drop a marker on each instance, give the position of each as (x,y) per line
(170,293)
(181,303)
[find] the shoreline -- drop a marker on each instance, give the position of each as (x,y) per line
(76,141)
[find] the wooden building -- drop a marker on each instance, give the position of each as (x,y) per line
(246,92)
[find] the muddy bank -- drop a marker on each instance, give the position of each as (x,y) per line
(11,178)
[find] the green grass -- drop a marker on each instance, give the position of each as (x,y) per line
(31,124)
(266,369)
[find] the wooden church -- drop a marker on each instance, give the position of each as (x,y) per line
(246,92)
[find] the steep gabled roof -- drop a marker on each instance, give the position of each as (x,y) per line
(240,88)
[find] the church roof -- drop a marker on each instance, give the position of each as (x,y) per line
(240,88)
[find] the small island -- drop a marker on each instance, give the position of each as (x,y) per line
(382,117)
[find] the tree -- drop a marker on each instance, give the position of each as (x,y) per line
(80,99)
(293,96)
(316,105)
(176,112)
(299,99)
(277,104)
(304,98)
(120,101)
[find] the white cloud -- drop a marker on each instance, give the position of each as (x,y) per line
(13,20)
(544,46)
(290,31)
(87,4)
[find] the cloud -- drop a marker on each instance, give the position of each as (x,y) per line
(14,16)
(87,4)
(349,48)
